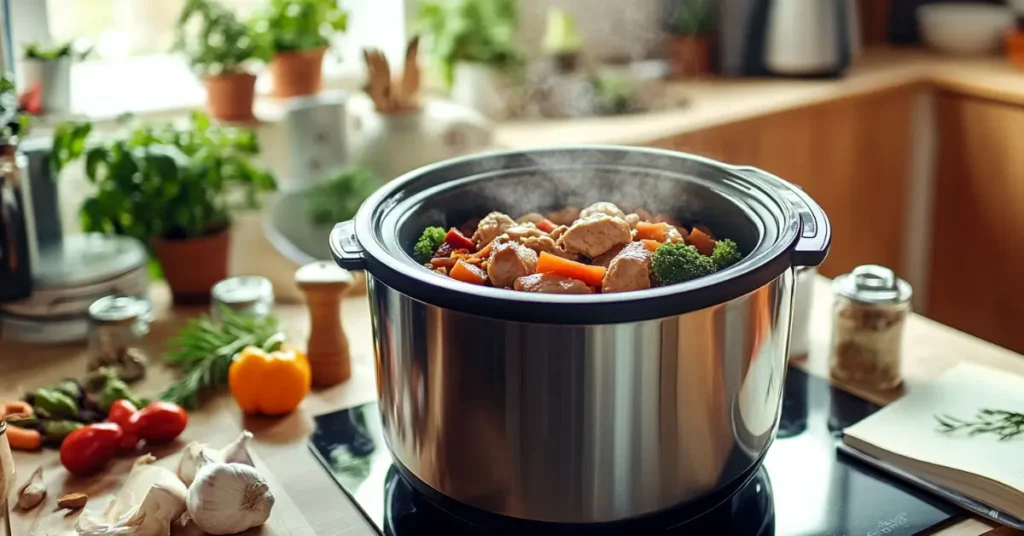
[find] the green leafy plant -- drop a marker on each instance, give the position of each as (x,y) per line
(478,31)
(297,25)
(213,39)
(36,51)
(13,119)
(204,350)
(338,198)
(165,181)
(690,17)
(1005,424)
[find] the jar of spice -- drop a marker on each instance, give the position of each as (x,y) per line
(248,294)
(871,307)
(117,325)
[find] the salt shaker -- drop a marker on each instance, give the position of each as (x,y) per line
(247,294)
(870,310)
(324,284)
(117,325)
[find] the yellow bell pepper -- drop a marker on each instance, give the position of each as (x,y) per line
(269,384)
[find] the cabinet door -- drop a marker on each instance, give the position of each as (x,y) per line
(852,156)
(976,276)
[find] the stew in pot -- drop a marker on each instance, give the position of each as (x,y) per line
(571,251)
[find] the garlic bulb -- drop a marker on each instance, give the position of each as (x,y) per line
(192,457)
(227,498)
(152,497)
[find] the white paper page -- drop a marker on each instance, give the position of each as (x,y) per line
(908,426)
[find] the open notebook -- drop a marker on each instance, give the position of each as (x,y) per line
(907,436)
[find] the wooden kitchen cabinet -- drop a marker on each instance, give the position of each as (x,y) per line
(852,156)
(976,276)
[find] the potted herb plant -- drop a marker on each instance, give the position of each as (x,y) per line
(293,35)
(471,43)
(173,188)
(220,50)
(688,23)
(47,75)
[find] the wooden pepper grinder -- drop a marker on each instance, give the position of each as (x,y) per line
(324,284)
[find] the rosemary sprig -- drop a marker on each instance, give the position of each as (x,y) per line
(1006,424)
(204,350)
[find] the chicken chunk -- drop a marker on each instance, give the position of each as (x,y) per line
(508,261)
(603,207)
(629,270)
(632,220)
(546,244)
(557,232)
(551,284)
(490,227)
(566,216)
(605,258)
(532,217)
(522,230)
(661,217)
(644,215)
(595,235)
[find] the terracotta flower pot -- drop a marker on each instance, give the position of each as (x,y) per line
(297,73)
(193,265)
(689,54)
(229,96)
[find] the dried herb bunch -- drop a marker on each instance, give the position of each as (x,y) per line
(1006,424)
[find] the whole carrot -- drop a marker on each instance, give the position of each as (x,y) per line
(23,438)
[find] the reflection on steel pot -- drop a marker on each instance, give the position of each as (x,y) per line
(582,408)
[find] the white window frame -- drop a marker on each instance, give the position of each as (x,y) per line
(162,83)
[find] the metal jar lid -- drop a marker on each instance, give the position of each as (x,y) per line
(119,310)
(244,291)
(873,284)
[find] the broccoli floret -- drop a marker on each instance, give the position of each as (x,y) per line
(675,263)
(428,243)
(726,254)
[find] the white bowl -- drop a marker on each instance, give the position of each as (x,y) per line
(965,29)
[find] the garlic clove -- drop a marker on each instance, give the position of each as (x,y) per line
(151,498)
(227,498)
(192,456)
(33,491)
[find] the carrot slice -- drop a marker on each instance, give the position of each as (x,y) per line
(446,262)
(16,407)
(700,240)
(458,240)
(467,273)
(651,245)
(591,275)
(546,225)
(651,231)
(485,252)
(23,438)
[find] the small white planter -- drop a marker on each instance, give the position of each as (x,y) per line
(54,79)
(484,89)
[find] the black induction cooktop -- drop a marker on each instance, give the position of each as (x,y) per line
(804,488)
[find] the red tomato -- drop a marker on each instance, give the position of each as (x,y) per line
(159,422)
(89,448)
(121,413)
(457,240)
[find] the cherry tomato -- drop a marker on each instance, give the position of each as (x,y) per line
(159,422)
(121,413)
(89,448)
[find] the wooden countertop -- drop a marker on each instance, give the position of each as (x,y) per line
(715,102)
(929,348)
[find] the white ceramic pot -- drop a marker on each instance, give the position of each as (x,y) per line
(483,88)
(392,145)
(54,79)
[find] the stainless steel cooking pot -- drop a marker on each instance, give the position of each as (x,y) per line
(592,408)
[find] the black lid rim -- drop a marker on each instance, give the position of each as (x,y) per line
(758,269)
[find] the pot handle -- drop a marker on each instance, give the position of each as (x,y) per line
(815,229)
(345,247)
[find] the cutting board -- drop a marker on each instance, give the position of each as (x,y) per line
(43,520)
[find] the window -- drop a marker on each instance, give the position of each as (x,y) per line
(132,69)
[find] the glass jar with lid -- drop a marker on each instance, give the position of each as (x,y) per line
(870,310)
(117,325)
(247,294)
